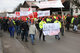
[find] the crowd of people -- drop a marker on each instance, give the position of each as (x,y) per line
(29,27)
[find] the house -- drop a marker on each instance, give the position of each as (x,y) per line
(30,3)
(3,14)
(75,7)
(66,4)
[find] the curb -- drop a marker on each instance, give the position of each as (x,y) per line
(1,48)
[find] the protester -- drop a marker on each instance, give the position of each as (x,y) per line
(41,29)
(11,28)
(62,28)
(56,21)
(0,23)
(24,30)
(48,20)
(68,21)
(4,25)
(75,23)
(32,31)
(18,27)
(37,25)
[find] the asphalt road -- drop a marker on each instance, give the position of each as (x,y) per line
(70,43)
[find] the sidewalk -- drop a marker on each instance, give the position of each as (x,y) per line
(12,45)
(1,48)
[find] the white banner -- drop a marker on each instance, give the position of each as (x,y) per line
(51,29)
(43,13)
(24,11)
(50,4)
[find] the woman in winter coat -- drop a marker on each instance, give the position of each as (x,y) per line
(32,31)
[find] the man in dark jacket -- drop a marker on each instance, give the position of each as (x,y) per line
(4,25)
(24,31)
(17,27)
(68,21)
(0,23)
(75,23)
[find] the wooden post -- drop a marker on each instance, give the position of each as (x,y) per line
(62,19)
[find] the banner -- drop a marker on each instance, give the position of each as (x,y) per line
(51,29)
(50,4)
(24,11)
(43,13)
(17,14)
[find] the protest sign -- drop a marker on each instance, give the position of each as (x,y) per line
(51,29)
(43,13)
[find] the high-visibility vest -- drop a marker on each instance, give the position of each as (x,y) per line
(54,17)
(72,20)
(14,22)
(58,22)
(48,20)
(41,24)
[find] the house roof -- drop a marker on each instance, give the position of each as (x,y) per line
(31,3)
(61,0)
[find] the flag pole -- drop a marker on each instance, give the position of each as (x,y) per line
(62,19)
(32,11)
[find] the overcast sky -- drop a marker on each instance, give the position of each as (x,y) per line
(9,5)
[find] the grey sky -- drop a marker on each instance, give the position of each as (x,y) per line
(9,5)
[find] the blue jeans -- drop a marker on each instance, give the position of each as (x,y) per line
(18,31)
(32,38)
(57,37)
(24,34)
(11,30)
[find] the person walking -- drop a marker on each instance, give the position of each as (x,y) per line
(75,23)
(17,27)
(11,28)
(68,21)
(24,30)
(41,29)
(0,23)
(32,31)
(4,25)
(56,21)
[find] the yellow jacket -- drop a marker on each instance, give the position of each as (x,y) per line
(14,22)
(48,20)
(41,24)
(54,17)
(72,20)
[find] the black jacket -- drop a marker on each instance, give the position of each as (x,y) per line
(68,20)
(24,26)
(75,22)
(17,22)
